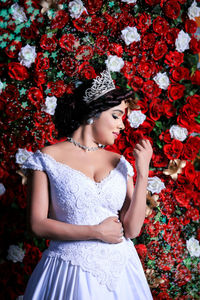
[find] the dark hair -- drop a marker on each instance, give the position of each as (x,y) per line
(72,111)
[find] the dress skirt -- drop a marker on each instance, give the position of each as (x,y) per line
(57,279)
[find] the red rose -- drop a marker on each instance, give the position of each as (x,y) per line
(168,109)
(171,35)
(168,207)
(179,250)
(174,58)
(39,77)
(60,20)
(68,42)
(189,172)
(96,25)
(10,93)
(190,26)
(146,68)
(180,73)
(194,102)
(17,71)
(165,261)
(158,159)
(94,6)
(160,25)
(81,22)
(151,89)
(13,48)
(192,214)
(173,150)
(156,109)
(153,229)
(175,91)
(87,71)
(159,50)
(128,70)
(42,62)
(182,197)
(195,78)
(182,275)
(141,250)
(84,53)
(57,88)
(115,49)
(197,180)
(102,44)
(194,45)
(153,249)
(191,147)
(136,83)
(35,96)
(171,9)
(152,2)
(70,66)
(29,32)
(165,136)
(48,43)
(143,22)
(186,118)
(148,40)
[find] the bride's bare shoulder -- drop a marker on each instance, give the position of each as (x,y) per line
(55,149)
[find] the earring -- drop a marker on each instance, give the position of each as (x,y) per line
(90,121)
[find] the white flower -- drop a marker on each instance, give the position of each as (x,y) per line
(50,105)
(129,1)
(193,11)
(130,35)
(155,185)
(76,8)
(114,63)
(177,132)
(162,80)
(22,155)
(27,55)
(2,86)
(15,253)
(18,13)
(2,189)
(182,41)
(135,118)
(193,247)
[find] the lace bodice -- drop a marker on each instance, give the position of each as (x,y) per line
(78,199)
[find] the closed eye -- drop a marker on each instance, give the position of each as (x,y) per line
(115,117)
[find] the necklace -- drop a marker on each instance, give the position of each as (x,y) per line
(71,140)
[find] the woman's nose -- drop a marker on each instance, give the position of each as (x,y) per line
(122,126)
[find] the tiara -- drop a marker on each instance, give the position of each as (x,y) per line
(100,86)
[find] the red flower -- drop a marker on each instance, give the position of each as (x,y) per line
(191,147)
(94,6)
(68,42)
(115,49)
(57,88)
(35,96)
(173,150)
(102,44)
(39,77)
(158,159)
(180,73)
(160,25)
(190,26)
(195,78)
(194,102)
(17,71)
(165,261)
(81,22)
(141,250)
(136,83)
(182,275)
(29,32)
(87,71)
(168,109)
(60,20)
(174,58)
(146,68)
(194,45)
(171,9)
(189,171)
(156,109)
(159,50)
(151,89)
(175,91)
(165,136)
(171,35)
(153,229)
(153,249)
(84,53)
(128,70)
(152,2)
(143,22)
(42,62)
(182,197)
(96,25)
(48,43)
(70,66)
(13,48)
(148,41)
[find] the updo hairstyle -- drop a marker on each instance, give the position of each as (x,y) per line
(72,112)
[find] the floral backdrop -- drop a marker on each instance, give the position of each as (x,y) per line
(150,46)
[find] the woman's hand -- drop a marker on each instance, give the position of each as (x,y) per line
(110,230)
(142,153)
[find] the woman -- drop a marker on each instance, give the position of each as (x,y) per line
(82,199)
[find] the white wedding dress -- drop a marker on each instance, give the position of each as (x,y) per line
(85,270)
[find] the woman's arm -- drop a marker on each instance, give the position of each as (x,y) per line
(38,206)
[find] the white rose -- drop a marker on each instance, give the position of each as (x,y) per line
(130,35)
(22,155)
(18,13)
(114,63)
(135,118)
(15,253)
(155,185)
(27,55)
(193,247)
(129,1)
(193,11)
(2,189)
(162,80)
(50,105)
(2,86)
(177,132)
(76,8)
(182,41)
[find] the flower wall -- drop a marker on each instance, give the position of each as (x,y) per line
(151,47)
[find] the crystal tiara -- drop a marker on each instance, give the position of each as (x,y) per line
(100,86)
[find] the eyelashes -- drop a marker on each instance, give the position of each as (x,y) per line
(115,117)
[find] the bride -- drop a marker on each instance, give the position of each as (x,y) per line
(82,198)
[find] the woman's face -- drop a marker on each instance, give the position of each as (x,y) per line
(107,127)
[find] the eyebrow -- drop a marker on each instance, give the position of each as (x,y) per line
(119,110)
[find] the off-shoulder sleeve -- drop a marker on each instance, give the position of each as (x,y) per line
(34,162)
(130,171)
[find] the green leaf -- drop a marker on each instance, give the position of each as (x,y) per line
(197,119)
